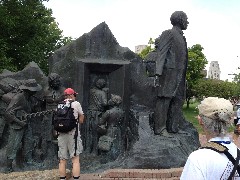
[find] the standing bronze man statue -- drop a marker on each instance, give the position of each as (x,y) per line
(171,64)
(8,88)
(20,131)
(53,94)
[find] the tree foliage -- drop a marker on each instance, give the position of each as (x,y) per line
(236,78)
(148,49)
(215,88)
(28,33)
(196,64)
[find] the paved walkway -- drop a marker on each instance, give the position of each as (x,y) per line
(135,174)
(111,174)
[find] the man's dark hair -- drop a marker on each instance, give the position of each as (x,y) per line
(177,17)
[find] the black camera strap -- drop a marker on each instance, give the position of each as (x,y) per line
(235,163)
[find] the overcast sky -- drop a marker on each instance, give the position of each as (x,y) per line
(215,24)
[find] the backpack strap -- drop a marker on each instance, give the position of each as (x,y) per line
(75,137)
(70,101)
(223,149)
(215,147)
(76,132)
(236,166)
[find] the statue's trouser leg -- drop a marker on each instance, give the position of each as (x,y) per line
(14,143)
(95,139)
(9,165)
(161,114)
(175,114)
(2,126)
(28,144)
(47,135)
(88,134)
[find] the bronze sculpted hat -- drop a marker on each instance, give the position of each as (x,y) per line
(31,85)
(216,108)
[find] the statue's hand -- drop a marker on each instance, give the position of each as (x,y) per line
(22,123)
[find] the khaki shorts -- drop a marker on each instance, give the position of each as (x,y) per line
(66,145)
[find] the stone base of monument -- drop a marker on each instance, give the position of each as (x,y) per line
(157,152)
(170,153)
(152,151)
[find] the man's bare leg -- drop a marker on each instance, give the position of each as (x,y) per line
(76,166)
(62,168)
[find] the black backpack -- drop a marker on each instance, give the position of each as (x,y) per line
(64,120)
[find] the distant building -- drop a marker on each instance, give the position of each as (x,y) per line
(139,48)
(214,70)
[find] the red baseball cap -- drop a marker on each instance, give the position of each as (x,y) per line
(69,91)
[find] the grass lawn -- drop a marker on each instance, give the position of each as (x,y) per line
(191,115)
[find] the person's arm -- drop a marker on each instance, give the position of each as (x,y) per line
(14,112)
(81,118)
(12,118)
(163,44)
(80,112)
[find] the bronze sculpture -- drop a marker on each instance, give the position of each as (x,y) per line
(171,65)
(112,143)
(8,88)
(125,75)
(53,94)
(19,125)
(97,105)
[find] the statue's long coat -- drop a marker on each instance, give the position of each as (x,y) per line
(171,63)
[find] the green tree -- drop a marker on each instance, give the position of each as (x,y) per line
(28,33)
(215,88)
(196,64)
(148,49)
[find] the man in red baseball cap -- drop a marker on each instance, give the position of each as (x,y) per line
(66,143)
